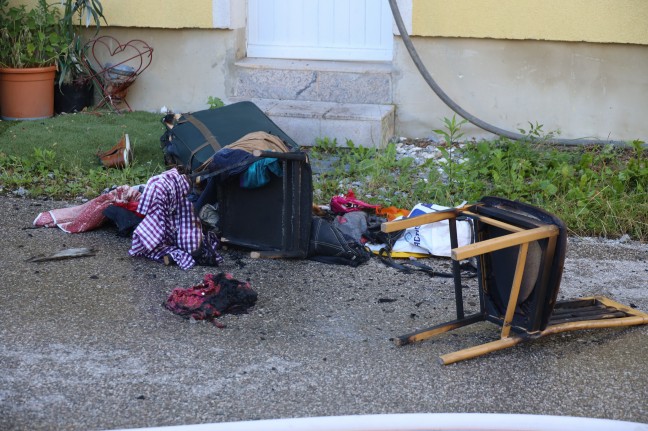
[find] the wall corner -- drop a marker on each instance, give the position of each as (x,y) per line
(229,14)
(405,8)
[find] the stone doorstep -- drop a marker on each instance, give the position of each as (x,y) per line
(384,67)
(366,125)
(324,81)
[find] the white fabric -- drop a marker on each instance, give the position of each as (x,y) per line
(435,237)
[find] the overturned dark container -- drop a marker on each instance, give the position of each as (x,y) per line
(273,220)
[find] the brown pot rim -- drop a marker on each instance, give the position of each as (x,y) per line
(18,70)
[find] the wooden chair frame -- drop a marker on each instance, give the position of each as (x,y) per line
(585,313)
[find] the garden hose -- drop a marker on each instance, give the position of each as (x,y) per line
(462,112)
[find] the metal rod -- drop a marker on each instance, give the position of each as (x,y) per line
(456,269)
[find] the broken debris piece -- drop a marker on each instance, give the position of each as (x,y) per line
(68,253)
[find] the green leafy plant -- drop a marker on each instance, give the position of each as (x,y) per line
(595,190)
(451,134)
(76,15)
(215,102)
(536,134)
(29,37)
(452,131)
(325,146)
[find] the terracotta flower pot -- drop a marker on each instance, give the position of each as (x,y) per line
(27,94)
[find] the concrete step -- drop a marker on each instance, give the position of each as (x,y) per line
(367,125)
(322,81)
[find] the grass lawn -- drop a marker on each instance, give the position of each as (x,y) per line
(76,138)
(597,191)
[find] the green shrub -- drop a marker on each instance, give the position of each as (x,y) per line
(597,191)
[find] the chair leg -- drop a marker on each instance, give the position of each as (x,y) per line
(424,334)
(482,349)
(515,289)
(504,343)
(595,324)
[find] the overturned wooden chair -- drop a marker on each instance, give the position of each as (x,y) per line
(521,253)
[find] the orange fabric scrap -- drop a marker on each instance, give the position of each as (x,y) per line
(392,212)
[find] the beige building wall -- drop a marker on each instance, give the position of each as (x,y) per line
(577,67)
(574,66)
(195,45)
(160,13)
(618,21)
(189,66)
(582,90)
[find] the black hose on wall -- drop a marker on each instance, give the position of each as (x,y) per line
(463,113)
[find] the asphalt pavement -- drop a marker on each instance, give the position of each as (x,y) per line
(86,345)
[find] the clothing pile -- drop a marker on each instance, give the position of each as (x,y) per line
(214,296)
(160,219)
(348,232)
(170,228)
(238,159)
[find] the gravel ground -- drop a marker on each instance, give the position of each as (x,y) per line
(85,343)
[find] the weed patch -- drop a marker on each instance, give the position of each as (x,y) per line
(597,191)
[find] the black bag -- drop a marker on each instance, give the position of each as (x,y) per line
(375,235)
(329,245)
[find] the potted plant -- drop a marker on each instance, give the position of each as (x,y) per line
(30,45)
(74,83)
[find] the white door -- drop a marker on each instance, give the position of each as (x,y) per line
(359,30)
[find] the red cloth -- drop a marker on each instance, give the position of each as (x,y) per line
(89,216)
(216,295)
(344,204)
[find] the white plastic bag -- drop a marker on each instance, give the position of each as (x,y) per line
(435,237)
